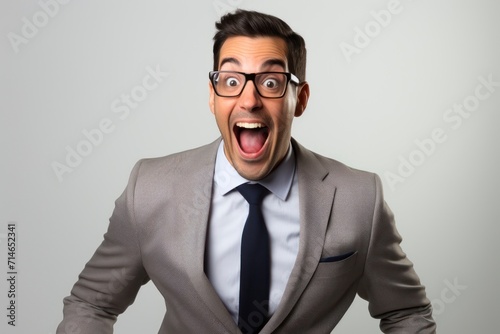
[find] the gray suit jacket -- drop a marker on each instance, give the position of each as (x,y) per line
(348,245)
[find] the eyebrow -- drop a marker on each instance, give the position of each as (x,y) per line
(229,60)
(269,62)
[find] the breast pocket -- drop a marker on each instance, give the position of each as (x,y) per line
(335,266)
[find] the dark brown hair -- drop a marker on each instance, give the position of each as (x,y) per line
(255,24)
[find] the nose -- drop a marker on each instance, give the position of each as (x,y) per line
(249,98)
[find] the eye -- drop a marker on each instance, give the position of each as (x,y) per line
(270,83)
(232,82)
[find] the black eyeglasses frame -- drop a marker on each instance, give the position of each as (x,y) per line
(251,77)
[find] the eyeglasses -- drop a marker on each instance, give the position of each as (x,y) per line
(271,85)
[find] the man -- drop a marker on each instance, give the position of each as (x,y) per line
(322,229)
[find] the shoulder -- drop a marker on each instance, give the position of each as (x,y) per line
(337,173)
(185,161)
(176,166)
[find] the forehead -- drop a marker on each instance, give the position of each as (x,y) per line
(251,52)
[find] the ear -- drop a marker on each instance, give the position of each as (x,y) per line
(302,98)
(211,98)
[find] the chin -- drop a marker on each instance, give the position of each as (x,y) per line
(252,175)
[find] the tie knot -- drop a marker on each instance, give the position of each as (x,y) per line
(253,193)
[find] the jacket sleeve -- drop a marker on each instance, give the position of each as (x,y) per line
(389,282)
(111,279)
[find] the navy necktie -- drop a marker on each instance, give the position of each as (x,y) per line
(255,263)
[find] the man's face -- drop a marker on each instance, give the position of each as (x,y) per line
(256,130)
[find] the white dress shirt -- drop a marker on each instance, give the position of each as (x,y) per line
(229,211)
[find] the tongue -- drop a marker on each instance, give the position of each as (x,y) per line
(252,140)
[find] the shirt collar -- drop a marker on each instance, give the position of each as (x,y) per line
(278,182)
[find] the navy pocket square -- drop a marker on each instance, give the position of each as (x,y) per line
(336,258)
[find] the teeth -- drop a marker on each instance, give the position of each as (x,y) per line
(249,125)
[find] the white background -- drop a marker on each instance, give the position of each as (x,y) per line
(366,110)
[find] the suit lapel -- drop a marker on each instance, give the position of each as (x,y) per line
(196,201)
(316,199)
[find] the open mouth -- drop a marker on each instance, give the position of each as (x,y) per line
(251,136)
